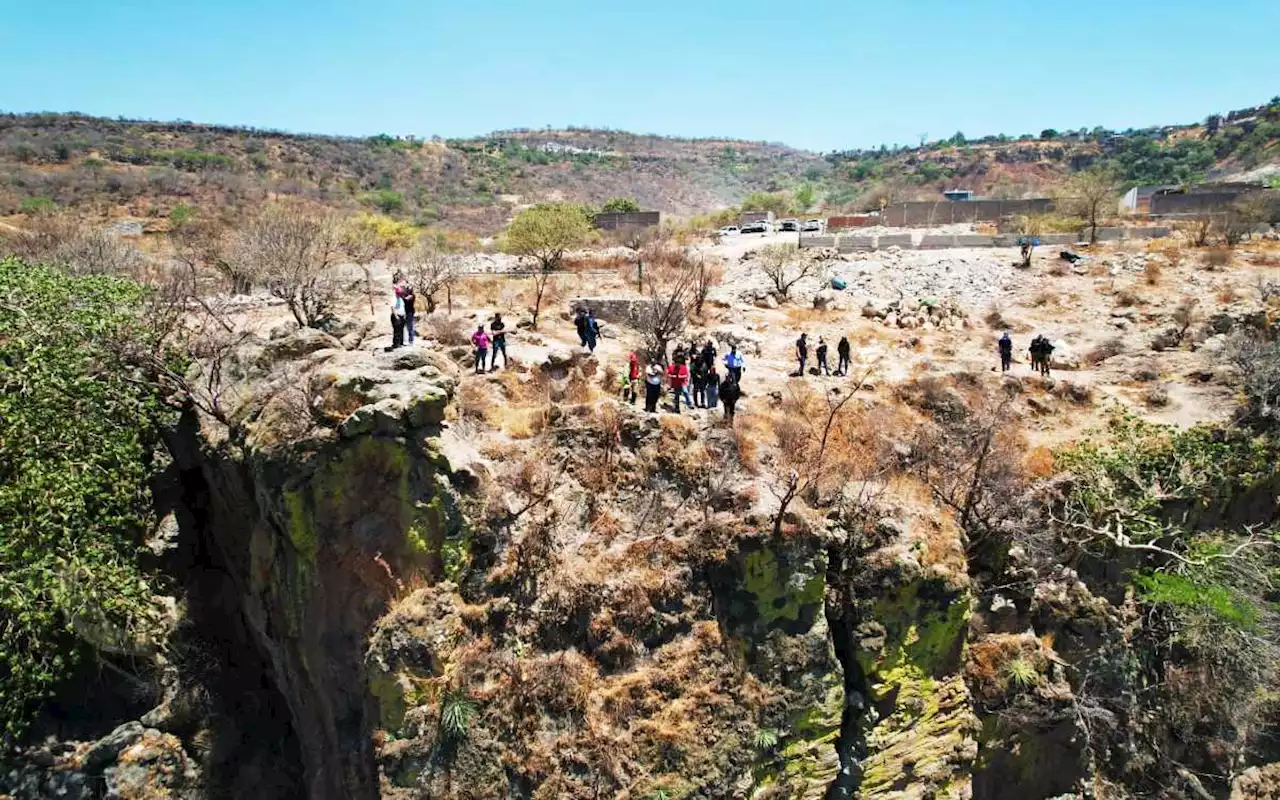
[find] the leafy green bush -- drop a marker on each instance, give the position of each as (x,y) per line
(78,434)
(36,205)
(620,205)
(1175,590)
(385,200)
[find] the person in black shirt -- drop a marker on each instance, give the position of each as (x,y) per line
(802,352)
(822,357)
(842,352)
(729,394)
(498,332)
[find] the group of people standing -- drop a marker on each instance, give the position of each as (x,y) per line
(403,316)
(823,367)
(692,376)
(1041,352)
(495,338)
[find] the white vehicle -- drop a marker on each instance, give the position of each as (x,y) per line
(730,230)
(789,225)
(812,225)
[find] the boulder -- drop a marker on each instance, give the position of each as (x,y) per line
(103,752)
(1064,356)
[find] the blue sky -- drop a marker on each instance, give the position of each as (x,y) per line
(821,75)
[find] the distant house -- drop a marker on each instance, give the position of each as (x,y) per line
(755,216)
(629,219)
(958,195)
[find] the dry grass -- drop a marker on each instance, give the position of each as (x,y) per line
(1046,299)
(1216,258)
(1060,268)
(799,316)
(1039,462)
(1151,273)
(1127,297)
(1228,293)
(447,330)
(1108,349)
(987,668)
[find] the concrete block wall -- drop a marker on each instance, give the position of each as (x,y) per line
(974,240)
(935,241)
(856,244)
(903,240)
(1058,239)
(817,241)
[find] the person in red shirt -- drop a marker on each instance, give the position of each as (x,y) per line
(633,378)
(678,378)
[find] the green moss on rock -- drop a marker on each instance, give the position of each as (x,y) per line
(779,595)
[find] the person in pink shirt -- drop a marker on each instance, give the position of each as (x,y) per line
(480,340)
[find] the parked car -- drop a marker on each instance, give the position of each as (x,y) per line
(812,226)
(753,227)
(728,230)
(789,225)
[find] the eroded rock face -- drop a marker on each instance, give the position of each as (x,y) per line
(317,531)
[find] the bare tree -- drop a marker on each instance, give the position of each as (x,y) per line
(63,242)
(431,269)
(1198,229)
(1245,213)
(296,251)
(807,442)
(784,266)
(205,246)
(668,287)
(970,464)
(706,277)
(1091,194)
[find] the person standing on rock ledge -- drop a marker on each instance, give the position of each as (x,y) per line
(499,330)
(397,322)
(822,357)
(592,330)
(842,352)
(730,391)
(802,352)
(678,377)
(1006,352)
(480,340)
(652,388)
(733,363)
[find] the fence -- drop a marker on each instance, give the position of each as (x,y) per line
(947,212)
(631,219)
(862,242)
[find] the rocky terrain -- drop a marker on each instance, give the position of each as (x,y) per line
(398,578)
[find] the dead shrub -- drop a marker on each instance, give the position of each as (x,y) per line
(1151,273)
(1108,349)
(1077,393)
(1145,373)
(476,402)
(1127,298)
(995,318)
(1060,268)
(1157,397)
(1039,462)
(1216,258)
(448,331)
(1045,299)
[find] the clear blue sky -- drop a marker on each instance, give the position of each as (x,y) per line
(822,75)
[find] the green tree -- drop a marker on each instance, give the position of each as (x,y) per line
(620,205)
(385,200)
(78,431)
(544,233)
(803,197)
(777,202)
